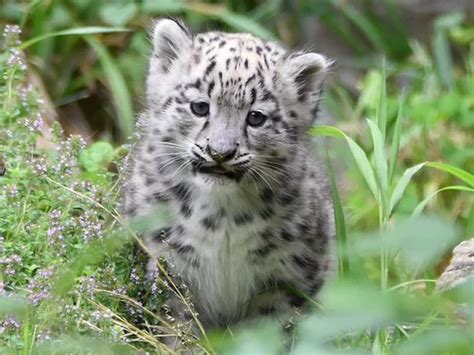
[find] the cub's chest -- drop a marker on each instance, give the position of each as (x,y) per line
(217,259)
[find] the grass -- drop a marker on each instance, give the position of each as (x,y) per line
(72,271)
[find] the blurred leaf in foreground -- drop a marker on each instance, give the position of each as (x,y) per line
(420,241)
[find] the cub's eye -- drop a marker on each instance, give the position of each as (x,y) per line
(256,118)
(200,108)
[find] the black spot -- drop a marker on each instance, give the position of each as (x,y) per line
(149,181)
(181,191)
(167,103)
(158,196)
(293,114)
(265,250)
(186,210)
(167,139)
(210,88)
(181,110)
(267,212)
(197,83)
(209,68)
(150,148)
(246,63)
(276,118)
(250,79)
(284,234)
(178,230)
(222,44)
(182,249)
(243,218)
(268,96)
(296,300)
(267,310)
(303,228)
(253,96)
(267,195)
(309,266)
(209,223)
(267,234)
(258,49)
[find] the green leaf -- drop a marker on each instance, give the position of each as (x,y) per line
(343,252)
(118,87)
(244,24)
(380,160)
(73,31)
(395,146)
(399,190)
(358,154)
(421,206)
(382,106)
(362,22)
(236,21)
(468,178)
(96,157)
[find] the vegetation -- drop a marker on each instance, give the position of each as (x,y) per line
(71,269)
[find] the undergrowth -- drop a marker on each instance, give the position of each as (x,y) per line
(72,273)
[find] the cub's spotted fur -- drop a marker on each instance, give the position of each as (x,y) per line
(224,142)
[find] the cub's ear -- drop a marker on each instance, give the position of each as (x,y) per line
(171,38)
(306,71)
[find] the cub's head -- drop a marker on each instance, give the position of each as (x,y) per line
(228,107)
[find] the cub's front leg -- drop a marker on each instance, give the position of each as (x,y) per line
(178,308)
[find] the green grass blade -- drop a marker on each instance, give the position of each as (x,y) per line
(341,239)
(395,146)
(402,185)
(465,176)
(441,47)
(421,206)
(117,86)
(73,31)
(380,160)
(234,20)
(363,23)
(358,154)
(382,106)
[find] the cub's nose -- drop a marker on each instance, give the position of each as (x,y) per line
(221,155)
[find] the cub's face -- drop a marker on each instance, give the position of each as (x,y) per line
(228,108)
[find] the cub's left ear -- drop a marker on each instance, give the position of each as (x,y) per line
(306,71)
(171,40)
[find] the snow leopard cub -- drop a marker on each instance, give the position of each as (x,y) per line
(224,142)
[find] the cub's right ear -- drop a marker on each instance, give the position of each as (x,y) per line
(170,40)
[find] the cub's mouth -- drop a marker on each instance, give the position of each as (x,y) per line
(217,171)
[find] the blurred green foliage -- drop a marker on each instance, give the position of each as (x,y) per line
(71,272)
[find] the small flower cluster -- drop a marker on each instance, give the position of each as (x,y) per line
(34,125)
(11,264)
(11,36)
(17,59)
(9,324)
(40,286)
(55,232)
(92,227)
(87,285)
